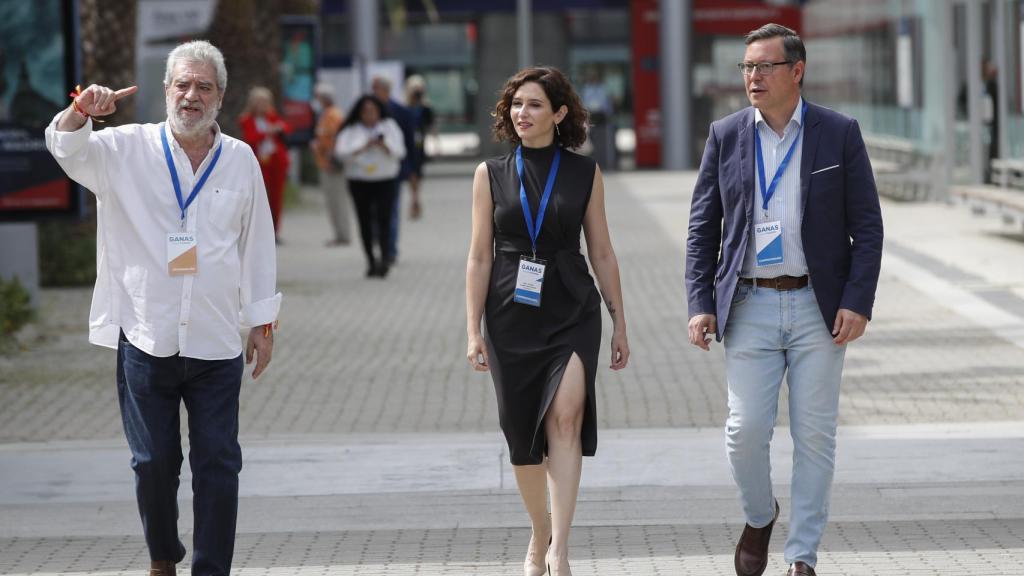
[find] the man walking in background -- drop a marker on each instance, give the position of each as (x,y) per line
(381,88)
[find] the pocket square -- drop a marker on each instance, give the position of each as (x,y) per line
(824,169)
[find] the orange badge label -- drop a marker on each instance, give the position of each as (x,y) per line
(182,253)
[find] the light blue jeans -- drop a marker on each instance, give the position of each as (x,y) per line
(769,334)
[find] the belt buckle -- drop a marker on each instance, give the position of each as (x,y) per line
(778,283)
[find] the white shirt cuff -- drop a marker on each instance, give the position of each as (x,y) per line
(67,144)
(261,312)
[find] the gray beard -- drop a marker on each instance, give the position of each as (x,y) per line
(184,128)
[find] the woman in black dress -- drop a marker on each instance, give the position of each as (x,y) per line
(541,345)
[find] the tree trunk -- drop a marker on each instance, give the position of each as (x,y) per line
(108,49)
(67,251)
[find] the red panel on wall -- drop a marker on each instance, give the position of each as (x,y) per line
(52,195)
(715,18)
(646,107)
(710,18)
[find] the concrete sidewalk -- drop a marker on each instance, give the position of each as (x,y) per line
(654,502)
(371,448)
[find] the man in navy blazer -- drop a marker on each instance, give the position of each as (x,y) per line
(381,88)
(783,256)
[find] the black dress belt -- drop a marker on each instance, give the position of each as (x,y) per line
(780,282)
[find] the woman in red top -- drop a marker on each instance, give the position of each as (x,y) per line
(263,129)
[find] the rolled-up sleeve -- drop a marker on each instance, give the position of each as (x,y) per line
(259,299)
(80,154)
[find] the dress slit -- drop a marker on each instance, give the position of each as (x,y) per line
(550,391)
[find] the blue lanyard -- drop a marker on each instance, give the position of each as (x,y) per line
(184,204)
(532,227)
(768,191)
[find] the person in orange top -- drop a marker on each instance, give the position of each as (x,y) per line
(332,179)
(264,131)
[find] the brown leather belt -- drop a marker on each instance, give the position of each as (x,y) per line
(779,283)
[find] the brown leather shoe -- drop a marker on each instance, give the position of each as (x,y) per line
(161,568)
(800,569)
(752,549)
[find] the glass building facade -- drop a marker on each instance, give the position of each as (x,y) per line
(935,84)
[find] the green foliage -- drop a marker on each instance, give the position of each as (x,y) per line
(15,306)
(67,253)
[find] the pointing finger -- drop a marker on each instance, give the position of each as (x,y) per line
(125,92)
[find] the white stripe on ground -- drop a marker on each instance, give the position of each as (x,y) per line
(394,463)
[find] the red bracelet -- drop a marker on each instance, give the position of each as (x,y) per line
(268,327)
(74,104)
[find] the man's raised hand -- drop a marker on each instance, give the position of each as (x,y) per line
(99,100)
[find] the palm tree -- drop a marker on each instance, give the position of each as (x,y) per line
(68,250)
(108,48)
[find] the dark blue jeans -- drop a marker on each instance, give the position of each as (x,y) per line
(396,220)
(150,391)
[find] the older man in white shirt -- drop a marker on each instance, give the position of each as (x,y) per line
(185,260)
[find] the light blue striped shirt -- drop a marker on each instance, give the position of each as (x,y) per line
(785,204)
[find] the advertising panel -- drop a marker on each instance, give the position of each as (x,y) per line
(298,75)
(37,63)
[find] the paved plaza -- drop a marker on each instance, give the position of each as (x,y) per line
(372,448)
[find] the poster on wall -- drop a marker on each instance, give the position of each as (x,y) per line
(37,64)
(298,75)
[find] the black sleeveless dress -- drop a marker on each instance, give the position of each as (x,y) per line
(529,347)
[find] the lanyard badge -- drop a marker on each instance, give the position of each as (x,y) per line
(181,246)
(768,235)
(768,190)
(530,277)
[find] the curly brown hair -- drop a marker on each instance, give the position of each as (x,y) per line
(572,130)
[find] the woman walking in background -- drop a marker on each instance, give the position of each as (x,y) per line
(541,345)
(264,131)
(371,148)
(422,123)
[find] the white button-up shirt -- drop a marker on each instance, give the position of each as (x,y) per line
(196,316)
(373,164)
(785,205)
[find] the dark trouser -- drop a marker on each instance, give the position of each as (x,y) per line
(374,202)
(396,220)
(150,391)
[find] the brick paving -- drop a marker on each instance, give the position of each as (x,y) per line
(989,547)
(358,356)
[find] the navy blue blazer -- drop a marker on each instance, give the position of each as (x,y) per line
(403,117)
(842,220)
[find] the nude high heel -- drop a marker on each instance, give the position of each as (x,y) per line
(549,572)
(530,566)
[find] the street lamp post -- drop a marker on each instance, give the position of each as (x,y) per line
(365,24)
(675,38)
(524,32)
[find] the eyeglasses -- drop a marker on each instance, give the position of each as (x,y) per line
(763,68)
